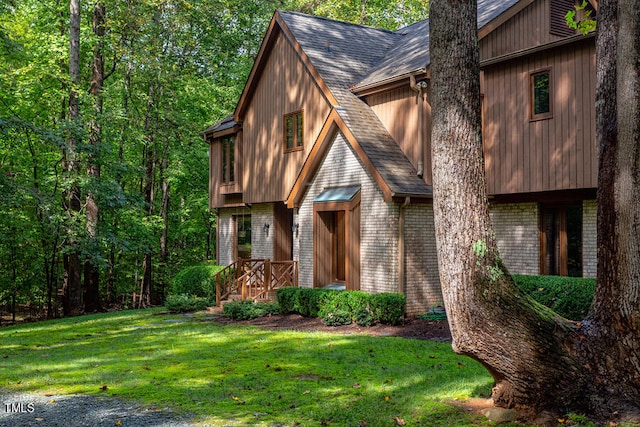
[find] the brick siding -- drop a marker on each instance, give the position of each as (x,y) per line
(518,236)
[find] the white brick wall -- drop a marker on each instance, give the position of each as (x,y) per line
(421,263)
(518,236)
(226,233)
(589,238)
(378,222)
(261,241)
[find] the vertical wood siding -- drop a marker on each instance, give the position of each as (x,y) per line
(285,86)
(527,29)
(398,111)
(524,155)
(218,190)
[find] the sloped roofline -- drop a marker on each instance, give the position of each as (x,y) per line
(332,125)
(277,26)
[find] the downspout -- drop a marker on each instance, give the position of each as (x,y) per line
(420,88)
(401,266)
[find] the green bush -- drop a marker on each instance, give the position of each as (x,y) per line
(182,303)
(363,308)
(287,299)
(247,310)
(337,318)
(363,317)
(388,308)
(570,297)
(197,280)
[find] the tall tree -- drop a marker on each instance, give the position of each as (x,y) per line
(71,201)
(540,361)
(91,271)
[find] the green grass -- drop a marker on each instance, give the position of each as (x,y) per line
(232,375)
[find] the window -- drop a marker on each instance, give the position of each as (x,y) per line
(541,95)
(228,160)
(293,131)
(561,240)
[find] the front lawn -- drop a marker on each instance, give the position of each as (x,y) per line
(244,376)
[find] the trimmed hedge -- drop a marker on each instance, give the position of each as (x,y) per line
(363,308)
(247,310)
(197,280)
(570,297)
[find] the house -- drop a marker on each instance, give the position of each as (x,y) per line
(326,158)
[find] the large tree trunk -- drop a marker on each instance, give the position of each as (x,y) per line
(540,362)
(91,271)
(72,277)
(612,343)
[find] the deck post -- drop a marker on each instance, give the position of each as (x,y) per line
(267,275)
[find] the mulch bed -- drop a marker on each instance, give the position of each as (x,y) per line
(412,328)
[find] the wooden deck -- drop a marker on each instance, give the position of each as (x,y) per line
(255,279)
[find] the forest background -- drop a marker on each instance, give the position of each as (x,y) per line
(103,170)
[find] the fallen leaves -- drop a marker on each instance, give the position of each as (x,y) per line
(399,421)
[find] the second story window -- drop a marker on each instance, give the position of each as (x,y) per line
(228,160)
(541,95)
(293,131)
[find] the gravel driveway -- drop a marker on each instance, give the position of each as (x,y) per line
(21,409)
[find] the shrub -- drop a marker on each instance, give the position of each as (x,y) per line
(287,299)
(247,310)
(570,297)
(363,308)
(337,318)
(363,317)
(388,308)
(183,303)
(197,280)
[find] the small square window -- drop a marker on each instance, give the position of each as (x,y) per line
(541,95)
(293,131)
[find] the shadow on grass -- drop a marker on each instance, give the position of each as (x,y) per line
(230,375)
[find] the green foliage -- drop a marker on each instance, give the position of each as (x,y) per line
(363,308)
(570,297)
(197,280)
(388,308)
(247,310)
(337,318)
(183,303)
(586,23)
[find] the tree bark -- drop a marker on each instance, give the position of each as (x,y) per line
(148,187)
(91,271)
(72,277)
(540,362)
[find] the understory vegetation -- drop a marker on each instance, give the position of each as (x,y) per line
(243,375)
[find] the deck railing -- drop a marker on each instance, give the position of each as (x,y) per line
(255,279)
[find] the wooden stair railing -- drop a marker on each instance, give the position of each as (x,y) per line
(255,279)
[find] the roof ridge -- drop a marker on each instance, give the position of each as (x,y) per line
(332,20)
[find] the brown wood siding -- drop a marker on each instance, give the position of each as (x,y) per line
(283,242)
(221,195)
(398,111)
(285,86)
(529,28)
(559,153)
